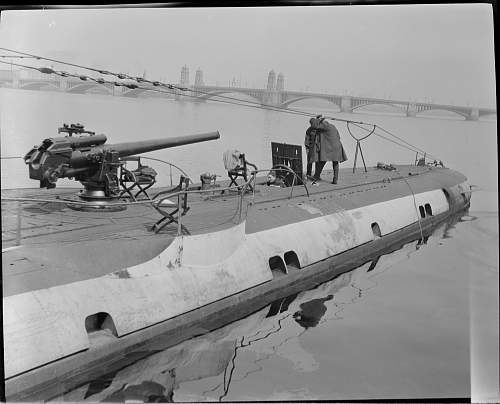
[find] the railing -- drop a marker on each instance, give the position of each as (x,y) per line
(139,158)
(178,194)
(170,166)
(251,182)
(155,202)
(152,202)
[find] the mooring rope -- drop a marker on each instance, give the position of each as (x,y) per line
(414,204)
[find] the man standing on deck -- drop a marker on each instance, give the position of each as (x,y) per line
(312,144)
(330,148)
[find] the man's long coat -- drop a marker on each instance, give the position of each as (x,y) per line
(331,148)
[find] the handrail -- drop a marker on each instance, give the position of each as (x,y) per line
(171,165)
(145,201)
(153,202)
(141,202)
(197,191)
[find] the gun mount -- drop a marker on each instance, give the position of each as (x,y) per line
(87,159)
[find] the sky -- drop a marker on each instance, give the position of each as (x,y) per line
(434,53)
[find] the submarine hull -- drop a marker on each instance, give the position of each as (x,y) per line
(169,287)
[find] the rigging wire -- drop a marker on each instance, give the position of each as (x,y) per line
(242,103)
(126,76)
(220,98)
(47,70)
(172,86)
(408,146)
(17,57)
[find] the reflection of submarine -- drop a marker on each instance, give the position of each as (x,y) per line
(198,358)
(160,374)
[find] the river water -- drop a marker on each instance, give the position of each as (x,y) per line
(421,322)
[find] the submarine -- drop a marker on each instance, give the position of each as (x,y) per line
(91,277)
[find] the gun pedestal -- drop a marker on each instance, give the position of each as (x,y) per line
(103,185)
(85,204)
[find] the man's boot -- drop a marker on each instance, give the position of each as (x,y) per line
(335,172)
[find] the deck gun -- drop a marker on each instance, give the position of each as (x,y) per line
(84,156)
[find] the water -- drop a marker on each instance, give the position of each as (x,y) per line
(421,322)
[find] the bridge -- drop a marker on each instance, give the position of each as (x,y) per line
(345,103)
(273,95)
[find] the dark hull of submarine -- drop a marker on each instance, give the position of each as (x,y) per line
(167,288)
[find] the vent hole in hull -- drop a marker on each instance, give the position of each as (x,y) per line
(101,321)
(292,260)
(428,209)
(277,264)
(422,211)
(376,230)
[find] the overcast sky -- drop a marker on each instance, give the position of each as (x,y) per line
(442,53)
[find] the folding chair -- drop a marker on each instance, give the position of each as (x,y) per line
(170,209)
(142,178)
(239,170)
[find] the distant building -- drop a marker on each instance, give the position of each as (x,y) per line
(198,78)
(280,83)
(185,76)
(271,81)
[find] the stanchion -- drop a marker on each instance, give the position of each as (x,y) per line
(358,147)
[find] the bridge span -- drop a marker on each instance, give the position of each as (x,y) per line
(345,103)
(273,95)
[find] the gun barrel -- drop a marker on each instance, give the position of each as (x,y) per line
(131,148)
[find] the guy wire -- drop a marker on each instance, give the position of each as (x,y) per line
(239,102)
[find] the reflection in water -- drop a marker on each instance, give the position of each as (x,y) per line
(146,392)
(422,241)
(311,312)
(228,374)
(373,264)
(229,355)
(281,305)
(451,223)
(100,384)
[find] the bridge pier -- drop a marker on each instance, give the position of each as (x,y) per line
(271,98)
(473,115)
(198,93)
(346,104)
(280,99)
(63,84)
(118,90)
(15,79)
(411,110)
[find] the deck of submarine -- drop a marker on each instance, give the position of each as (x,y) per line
(47,243)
